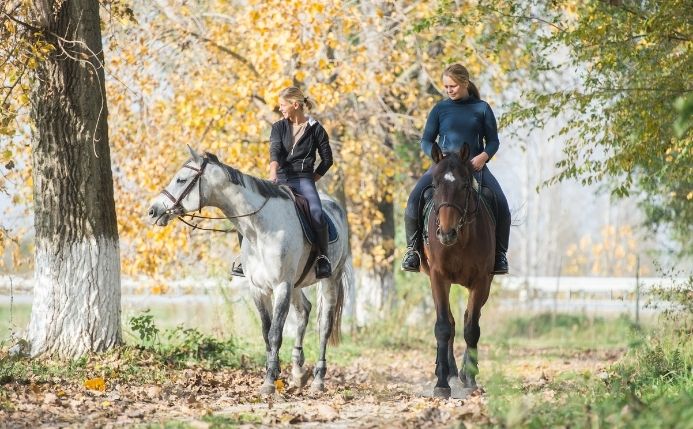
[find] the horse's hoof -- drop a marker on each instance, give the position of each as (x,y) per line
(442,392)
(267,389)
(455,383)
(317,387)
(299,377)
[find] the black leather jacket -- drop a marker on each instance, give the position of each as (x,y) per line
(299,160)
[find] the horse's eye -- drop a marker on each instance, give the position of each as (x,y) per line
(181,180)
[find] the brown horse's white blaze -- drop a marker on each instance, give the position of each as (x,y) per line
(461,250)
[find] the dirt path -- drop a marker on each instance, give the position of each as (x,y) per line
(364,394)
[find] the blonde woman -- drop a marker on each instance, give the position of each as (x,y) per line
(295,141)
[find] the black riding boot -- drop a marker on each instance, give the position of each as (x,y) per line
(323,268)
(412,258)
(501,264)
(237,268)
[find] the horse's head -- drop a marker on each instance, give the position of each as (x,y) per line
(183,194)
(453,191)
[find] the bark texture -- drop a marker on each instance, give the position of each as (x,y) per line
(76,307)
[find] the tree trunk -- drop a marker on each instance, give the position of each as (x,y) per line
(76,307)
(376,285)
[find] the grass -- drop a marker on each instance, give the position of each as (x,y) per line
(651,386)
(545,330)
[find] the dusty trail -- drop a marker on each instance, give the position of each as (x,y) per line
(363,394)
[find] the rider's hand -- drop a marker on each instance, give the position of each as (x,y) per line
(479,161)
(273,176)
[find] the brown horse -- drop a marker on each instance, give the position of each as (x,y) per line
(460,250)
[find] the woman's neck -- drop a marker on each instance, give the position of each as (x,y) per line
(298,118)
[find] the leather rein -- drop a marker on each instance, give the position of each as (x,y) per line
(177,208)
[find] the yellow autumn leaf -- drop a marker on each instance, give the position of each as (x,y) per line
(279,384)
(95,384)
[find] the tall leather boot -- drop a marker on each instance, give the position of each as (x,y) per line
(412,258)
(323,268)
(501,263)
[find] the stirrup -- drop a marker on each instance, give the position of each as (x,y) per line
(237,269)
(326,273)
(407,255)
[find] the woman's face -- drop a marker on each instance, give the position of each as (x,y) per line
(454,90)
(287,108)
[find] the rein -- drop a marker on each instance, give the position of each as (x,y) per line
(177,208)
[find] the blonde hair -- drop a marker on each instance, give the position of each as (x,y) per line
(295,95)
(460,74)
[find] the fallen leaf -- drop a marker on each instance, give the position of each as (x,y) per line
(327,412)
(97,384)
(279,384)
(50,398)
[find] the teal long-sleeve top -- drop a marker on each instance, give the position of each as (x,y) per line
(455,122)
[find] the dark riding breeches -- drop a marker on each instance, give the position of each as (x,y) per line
(415,204)
(306,187)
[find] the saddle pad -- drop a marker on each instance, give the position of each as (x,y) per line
(308,231)
(302,210)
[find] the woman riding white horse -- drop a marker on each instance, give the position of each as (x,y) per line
(275,253)
(294,142)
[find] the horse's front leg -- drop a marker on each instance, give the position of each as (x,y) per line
(302,307)
(282,299)
(470,362)
(440,288)
(263,303)
(451,355)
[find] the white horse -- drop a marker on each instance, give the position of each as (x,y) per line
(274,254)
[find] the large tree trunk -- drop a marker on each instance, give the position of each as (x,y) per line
(76,307)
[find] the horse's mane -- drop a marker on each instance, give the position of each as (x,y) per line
(263,187)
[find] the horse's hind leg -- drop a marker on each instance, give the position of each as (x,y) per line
(282,299)
(326,315)
(302,307)
(470,362)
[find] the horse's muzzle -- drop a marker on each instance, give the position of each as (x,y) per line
(447,238)
(159,215)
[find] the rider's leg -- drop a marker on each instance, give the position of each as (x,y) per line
(502,222)
(412,224)
(306,187)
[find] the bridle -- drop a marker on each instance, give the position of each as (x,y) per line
(464,212)
(177,208)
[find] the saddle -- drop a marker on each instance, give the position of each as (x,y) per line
(487,198)
(303,212)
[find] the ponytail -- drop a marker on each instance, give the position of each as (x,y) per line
(474,91)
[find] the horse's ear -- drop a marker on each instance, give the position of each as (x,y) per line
(195,156)
(436,153)
(464,152)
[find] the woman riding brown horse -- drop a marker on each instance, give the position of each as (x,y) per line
(460,250)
